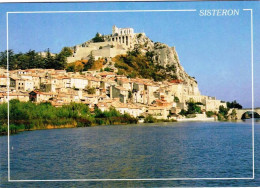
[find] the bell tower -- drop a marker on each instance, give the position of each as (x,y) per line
(114,30)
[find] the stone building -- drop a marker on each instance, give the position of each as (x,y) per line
(122,31)
(122,35)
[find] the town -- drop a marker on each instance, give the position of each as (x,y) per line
(103,89)
(106,88)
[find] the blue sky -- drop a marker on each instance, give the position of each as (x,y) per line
(215,50)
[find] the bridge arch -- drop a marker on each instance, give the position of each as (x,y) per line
(241,112)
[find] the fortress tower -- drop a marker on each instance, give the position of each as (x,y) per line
(122,31)
(122,35)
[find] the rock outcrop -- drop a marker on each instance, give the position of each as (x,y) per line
(164,56)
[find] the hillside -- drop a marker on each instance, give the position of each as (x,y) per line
(152,60)
(140,58)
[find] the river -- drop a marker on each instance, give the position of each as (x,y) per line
(162,150)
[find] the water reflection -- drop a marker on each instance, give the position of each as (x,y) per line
(168,150)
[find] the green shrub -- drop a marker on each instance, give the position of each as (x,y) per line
(149,119)
(210,113)
(107,69)
(183,112)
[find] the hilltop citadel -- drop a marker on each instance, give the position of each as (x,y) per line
(121,40)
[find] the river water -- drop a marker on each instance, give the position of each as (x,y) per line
(164,150)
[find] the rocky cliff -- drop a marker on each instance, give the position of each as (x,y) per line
(164,56)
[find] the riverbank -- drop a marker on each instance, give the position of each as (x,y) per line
(17,129)
(14,129)
(27,116)
(196,119)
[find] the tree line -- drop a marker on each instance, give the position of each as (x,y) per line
(29,116)
(32,59)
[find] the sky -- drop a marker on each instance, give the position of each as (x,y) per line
(216,50)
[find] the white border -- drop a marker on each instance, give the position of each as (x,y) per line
(252,70)
(141,179)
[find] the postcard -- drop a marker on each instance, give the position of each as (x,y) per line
(129,94)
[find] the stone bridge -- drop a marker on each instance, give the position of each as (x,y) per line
(240,112)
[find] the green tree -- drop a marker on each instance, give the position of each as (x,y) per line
(49,60)
(27,60)
(61,58)
(32,59)
(90,62)
(223,110)
(222,113)
(176,99)
(60,62)
(193,108)
(3,59)
(234,104)
(11,59)
(98,38)
(22,61)
(66,51)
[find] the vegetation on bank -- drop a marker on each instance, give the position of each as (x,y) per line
(151,119)
(32,59)
(30,116)
(193,108)
(223,113)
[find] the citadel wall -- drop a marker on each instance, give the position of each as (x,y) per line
(117,43)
